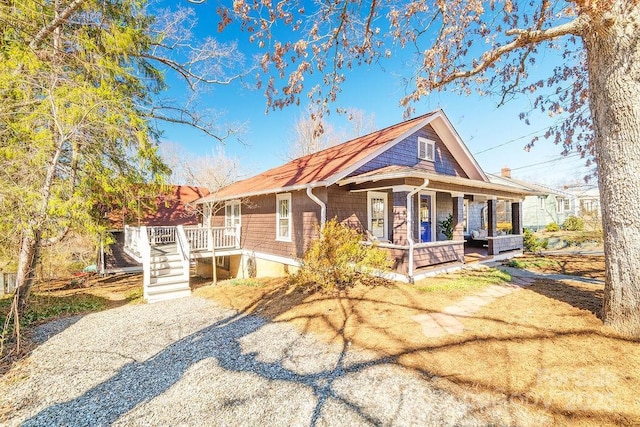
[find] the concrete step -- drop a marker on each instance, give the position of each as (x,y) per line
(163,294)
(166,258)
(165,265)
(167,280)
(167,271)
(156,288)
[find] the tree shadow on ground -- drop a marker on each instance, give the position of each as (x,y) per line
(104,404)
(581,295)
(137,383)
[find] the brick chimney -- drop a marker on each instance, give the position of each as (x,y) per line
(505,172)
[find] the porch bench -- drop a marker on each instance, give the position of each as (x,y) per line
(478,239)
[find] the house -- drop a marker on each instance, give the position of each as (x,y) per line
(587,204)
(544,206)
(169,209)
(397,184)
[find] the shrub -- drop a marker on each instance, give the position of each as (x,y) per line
(532,243)
(504,226)
(338,258)
(553,227)
(573,223)
(446,227)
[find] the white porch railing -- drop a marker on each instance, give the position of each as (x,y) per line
(205,238)
(161,235)
(199,238)
(132,240)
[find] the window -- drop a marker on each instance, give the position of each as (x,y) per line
(563,205)
(232,215)
(426,149)
(377,212)
(283,217)
(589,205)
(222,262)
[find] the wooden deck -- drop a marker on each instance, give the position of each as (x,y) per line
(116,260)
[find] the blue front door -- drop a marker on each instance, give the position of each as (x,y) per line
(425,218)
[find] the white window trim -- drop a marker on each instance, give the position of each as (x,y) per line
(279,197)
(465,208)
(232,203)
(429,149)
(385,197)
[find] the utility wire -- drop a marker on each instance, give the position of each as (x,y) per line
(543,163)
(513,140)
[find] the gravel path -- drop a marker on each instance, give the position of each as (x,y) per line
(190,362)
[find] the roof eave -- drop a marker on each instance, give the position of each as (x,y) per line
(213,199)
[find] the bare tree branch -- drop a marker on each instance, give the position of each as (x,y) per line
(524,38)
(59,20)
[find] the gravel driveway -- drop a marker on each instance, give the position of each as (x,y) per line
(191,362)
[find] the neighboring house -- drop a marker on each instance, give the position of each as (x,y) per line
(587,204)
(587,199)
(544,206)
(168,209)
(397,184)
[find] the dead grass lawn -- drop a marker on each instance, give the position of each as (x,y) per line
(591,266)
(537,356)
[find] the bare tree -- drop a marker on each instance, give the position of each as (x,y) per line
(213,171)
(312,133)
(489,46)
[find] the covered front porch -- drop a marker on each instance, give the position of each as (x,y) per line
(425,219)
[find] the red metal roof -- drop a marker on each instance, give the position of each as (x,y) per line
(316,167)
(171,209)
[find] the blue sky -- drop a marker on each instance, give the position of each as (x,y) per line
(496,136)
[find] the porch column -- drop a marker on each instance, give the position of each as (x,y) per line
(516,218)
(492,224)
(458,225)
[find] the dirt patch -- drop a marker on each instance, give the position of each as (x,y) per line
(538,356)
(115,289)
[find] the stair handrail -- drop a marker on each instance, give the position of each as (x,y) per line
(145,253)
(184,250)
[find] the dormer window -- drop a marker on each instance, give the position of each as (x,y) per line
(426,149)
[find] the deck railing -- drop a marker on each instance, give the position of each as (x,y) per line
(161,235)
(132,239)
(199,238)
(203,238)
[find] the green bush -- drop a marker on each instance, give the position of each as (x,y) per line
(532,243)
(446,227)
(573,223)
(553,227)
(338,259)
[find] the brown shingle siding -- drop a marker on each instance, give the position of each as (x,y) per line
(405,153)
(259,224)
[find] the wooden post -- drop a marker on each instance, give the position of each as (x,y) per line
(492,224)
(458,225)
(516,218)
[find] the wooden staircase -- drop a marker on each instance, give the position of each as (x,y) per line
(165,253)
(168,274)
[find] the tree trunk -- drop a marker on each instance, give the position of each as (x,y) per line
(27,262)
(613,49)
(32,237)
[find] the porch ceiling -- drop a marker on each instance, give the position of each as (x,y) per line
(391,176)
